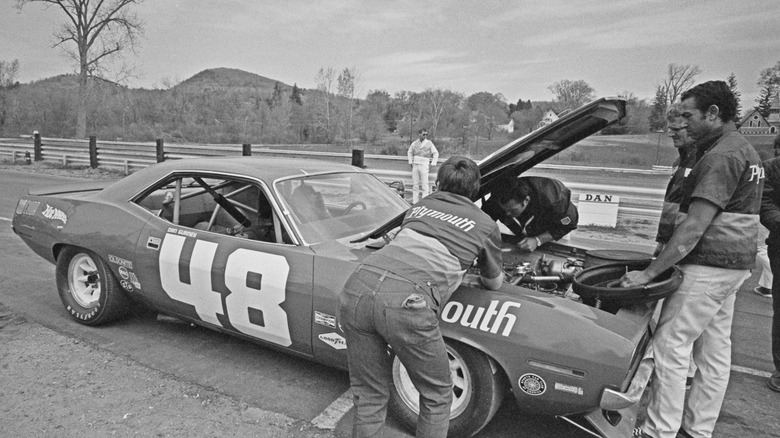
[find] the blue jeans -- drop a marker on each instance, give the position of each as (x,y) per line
(380,309)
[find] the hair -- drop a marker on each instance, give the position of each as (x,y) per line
(513,189)
(459,175)
(715,93)
(674,110)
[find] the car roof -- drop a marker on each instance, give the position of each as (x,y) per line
(266,169)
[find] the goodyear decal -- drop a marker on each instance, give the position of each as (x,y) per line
(489,320)
(335,340)
(532,384)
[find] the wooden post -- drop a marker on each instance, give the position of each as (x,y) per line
(160,150)
(357,158)
(37,153)
(93,163)
(246,150)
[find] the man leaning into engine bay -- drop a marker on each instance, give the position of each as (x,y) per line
(535,209)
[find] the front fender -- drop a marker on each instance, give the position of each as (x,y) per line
(558,354)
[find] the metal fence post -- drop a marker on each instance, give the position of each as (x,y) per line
(160,150)
(37,153)
(93,162)
(357,158)
(246,150)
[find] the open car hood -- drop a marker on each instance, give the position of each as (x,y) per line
(537,146)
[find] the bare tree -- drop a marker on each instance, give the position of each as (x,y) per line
(8,72)
(93,33)
(679,78)
(324,82)
(571,94)
(347,83)
(439,103)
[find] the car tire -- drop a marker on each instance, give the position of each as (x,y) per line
(479,388)
(88,290)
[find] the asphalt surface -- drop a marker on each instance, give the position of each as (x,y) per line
(300,389)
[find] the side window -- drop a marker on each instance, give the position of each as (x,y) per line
(219,205)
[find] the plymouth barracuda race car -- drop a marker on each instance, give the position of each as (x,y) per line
(261,248)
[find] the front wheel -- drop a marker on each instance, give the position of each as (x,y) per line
(88,289)
(478,388)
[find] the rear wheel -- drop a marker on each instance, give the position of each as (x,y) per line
(478,387)
(88,289)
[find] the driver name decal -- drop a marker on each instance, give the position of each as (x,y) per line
(487,320)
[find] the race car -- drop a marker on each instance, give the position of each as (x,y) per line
(261,247)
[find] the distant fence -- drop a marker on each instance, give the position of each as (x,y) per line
(128,156)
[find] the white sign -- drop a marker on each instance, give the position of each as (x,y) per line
(598,209)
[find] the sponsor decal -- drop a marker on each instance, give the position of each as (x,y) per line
(180,232)
(124,273)
(487,320)
(120,261)
(335,340)
(134,280)
(566,220)
(126,285)
(27,207)
(532,384)
(324,319)
(568,388)
(55,214)
(464,223)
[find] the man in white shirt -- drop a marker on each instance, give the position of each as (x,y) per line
(422,153)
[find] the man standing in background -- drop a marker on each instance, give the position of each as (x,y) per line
(422,153)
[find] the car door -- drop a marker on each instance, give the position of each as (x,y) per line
(193,266)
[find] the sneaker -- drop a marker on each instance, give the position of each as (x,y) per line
(683,434)
(688,383)
(774,381)
(639,433)
(764,292)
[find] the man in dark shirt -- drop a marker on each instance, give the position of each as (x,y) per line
(770,217)
(534,208)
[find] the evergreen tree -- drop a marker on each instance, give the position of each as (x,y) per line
(764,99)
(296,94)
(732,81)
(657,117)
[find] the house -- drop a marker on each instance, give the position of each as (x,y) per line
(509,127)
(756,124)
(548,118)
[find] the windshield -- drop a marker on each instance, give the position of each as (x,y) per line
(337,205)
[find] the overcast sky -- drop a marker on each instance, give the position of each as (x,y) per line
(517,48)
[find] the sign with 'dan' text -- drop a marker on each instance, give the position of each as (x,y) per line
(598,209)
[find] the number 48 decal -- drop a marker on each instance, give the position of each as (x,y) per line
(243,300)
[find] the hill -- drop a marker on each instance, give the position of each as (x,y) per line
(230,79)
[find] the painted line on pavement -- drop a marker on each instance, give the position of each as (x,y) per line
(5,219)
(751,371)
(335,412)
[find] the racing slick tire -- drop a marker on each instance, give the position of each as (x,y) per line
(88,290)
(478,388)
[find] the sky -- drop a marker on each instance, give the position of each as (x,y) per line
(515,47)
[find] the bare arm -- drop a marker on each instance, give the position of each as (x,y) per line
(700,214)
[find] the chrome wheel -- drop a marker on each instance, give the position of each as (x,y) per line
(461,384)
(84,280)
